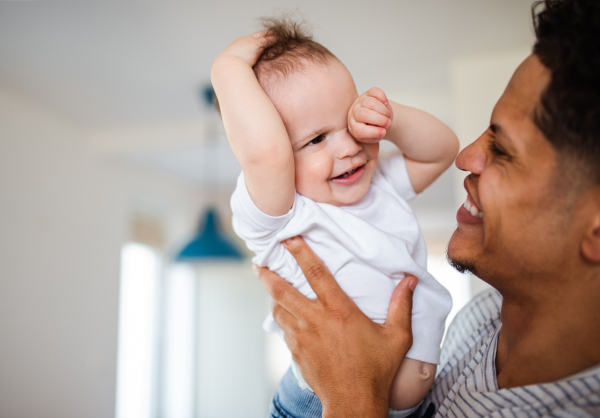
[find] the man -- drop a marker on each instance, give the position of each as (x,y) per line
(531,348)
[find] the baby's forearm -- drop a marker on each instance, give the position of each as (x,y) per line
(256,133)
(421,136)
(428,145)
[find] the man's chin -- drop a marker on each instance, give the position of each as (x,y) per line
(462,266)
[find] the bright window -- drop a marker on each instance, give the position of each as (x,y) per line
(178,368)
(140,269)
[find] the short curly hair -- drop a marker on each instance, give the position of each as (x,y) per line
(568,114)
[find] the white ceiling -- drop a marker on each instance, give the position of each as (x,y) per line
(116,62)
(129,72)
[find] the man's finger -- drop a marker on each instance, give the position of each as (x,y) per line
(281,291)
(400,311)
(286,321)
(317,275)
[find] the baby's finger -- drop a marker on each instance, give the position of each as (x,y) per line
(378,94)
(362,131)
(375,104)
(372,117)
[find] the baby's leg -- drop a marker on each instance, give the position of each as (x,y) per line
(411,384)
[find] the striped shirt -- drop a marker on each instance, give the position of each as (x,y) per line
(466,385)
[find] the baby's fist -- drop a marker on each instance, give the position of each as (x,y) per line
(370,116)
(248,48)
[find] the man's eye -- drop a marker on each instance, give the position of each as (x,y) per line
(495,150)
(316,140)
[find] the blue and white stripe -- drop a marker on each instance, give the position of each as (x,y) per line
(466,385)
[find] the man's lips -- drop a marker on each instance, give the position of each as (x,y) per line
(469,213)
(350,177)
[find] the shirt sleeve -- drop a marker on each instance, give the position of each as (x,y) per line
(255,227)
(393,170)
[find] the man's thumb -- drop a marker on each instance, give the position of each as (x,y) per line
(400,311)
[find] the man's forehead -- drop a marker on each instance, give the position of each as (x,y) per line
(515,110)
(526,86)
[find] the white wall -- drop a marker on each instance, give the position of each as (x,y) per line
(232,379)
(64,215)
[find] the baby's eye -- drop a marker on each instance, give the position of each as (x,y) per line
(316,140)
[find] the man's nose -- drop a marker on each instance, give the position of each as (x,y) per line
(473,158)
(346,145)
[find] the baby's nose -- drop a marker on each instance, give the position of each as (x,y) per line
(347,146)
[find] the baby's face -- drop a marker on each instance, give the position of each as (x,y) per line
(331,166)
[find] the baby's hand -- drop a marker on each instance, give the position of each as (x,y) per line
(370,116)
(247,48)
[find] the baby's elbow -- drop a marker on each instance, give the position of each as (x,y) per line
(411,384)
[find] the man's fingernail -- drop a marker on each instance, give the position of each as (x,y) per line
(287,241)
(255,269)
(413,284)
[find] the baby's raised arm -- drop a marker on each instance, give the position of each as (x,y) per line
(254,128)
(428,145)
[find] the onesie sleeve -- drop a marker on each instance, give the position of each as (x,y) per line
(393,169)
(255,227)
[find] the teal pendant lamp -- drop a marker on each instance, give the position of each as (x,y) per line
(210,243)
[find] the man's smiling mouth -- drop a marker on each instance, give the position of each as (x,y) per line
(472,208)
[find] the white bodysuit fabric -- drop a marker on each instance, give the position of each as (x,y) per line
(368,247)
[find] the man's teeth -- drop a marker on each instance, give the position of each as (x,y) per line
(472,209)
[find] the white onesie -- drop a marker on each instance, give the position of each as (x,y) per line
(368,247)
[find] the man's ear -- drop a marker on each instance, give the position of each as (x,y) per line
(591,241)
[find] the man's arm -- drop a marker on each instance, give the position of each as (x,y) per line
(428,145)
(348,360)
(254,128)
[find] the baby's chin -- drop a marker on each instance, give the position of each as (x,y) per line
(338,199)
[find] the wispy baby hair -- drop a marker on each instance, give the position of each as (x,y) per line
(288,47)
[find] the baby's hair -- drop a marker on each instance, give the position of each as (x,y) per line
(288,48)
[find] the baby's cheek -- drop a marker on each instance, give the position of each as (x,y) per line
(312,176)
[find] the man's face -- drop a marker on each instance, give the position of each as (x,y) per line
(331,166)
(517,226)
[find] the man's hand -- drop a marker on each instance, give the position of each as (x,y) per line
(370,116)
(348,360)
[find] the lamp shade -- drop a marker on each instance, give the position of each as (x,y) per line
(210,243)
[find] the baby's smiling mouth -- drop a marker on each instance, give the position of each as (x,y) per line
(348,173)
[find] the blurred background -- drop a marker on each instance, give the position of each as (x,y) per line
(110,160)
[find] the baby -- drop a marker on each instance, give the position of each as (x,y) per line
(308,146)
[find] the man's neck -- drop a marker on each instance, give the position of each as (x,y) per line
(549,337)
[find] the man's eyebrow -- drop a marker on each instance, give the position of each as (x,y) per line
(506,143)
(497,129)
